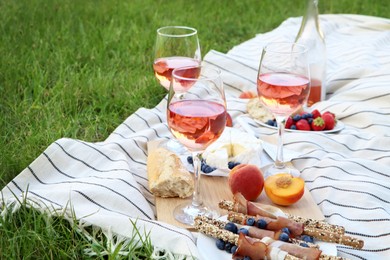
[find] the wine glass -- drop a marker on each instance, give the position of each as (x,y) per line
(176,46)
(283,86)
(196,114)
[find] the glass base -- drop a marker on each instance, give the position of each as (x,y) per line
(185,213)
(174,146)
(273,169)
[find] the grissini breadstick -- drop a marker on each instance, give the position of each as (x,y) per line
(255,248)
(316,233)
(254,208)
(246,246)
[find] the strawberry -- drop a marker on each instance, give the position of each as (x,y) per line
(315,113)
(318,124)
(303,125)
(332,114)
(329,120)
(289,122)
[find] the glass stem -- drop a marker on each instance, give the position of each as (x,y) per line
(196,198)
(279,161)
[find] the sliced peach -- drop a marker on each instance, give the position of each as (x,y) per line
(284,189)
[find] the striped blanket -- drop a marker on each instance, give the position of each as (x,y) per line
(347,173)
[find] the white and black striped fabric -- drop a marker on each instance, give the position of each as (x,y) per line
(348,173)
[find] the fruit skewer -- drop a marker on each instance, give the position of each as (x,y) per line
(316,233)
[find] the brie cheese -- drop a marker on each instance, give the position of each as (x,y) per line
(233,145)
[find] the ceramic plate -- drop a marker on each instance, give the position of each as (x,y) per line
(337,128)
(209,250)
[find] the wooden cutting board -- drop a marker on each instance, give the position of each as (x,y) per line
(214,189)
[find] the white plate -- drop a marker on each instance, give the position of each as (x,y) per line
(337,128)
(209,250)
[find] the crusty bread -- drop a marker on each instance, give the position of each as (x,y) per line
(167,175)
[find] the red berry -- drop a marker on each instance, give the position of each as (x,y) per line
(315,113)
(318,124)
(329,120)
(289,122)
(332,114)
(303,125)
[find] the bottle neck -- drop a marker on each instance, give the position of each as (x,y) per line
(310,20)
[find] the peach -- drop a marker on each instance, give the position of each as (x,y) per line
(246,179)
(284,189)
(247,95)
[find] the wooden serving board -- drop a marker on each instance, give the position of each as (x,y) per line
(214,189)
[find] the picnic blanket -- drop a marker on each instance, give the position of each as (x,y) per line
(347,173)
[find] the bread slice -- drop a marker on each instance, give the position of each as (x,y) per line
(167,175)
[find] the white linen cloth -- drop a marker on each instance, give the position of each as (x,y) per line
(347,173)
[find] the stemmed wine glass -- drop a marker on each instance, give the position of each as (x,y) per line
(283,86)
(176,46)
(196,114)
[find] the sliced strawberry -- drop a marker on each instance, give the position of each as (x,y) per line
(318,124)
(289,122)
(315,113)
(303,125)
(329,120)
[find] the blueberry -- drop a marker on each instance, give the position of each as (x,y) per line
(190,160)
(286,230)
(270,122)
(228,247)
(250,221)
(297,118)
(308,239)
(220,244)
(261,223)
(293,127)
(310,120)
(244,231)
(246,258)
(309,115)
(275,124)
(230,226)
(203,167)
(208,169)
(231,165)
(233,249)
(284,237)
(303,245)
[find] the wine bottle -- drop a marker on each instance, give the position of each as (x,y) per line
(311,36)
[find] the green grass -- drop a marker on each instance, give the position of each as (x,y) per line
(78,69)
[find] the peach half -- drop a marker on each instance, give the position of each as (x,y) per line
(284,189)
(246,179)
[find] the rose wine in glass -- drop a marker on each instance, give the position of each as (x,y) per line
(196,117)
(176,46)
(283,87)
